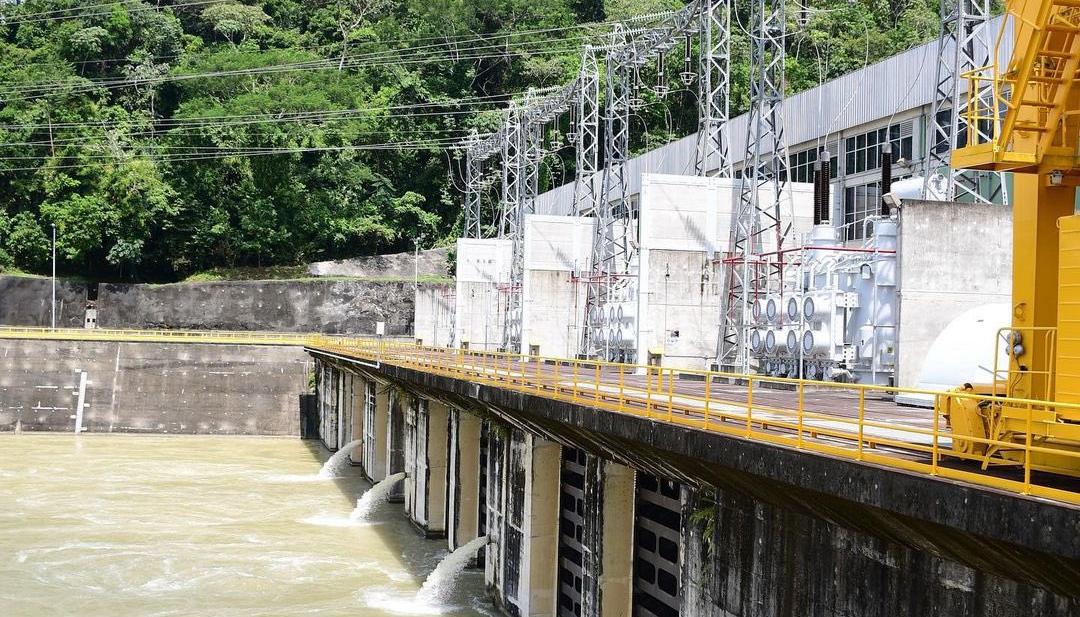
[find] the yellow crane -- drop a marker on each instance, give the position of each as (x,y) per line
(1032,105)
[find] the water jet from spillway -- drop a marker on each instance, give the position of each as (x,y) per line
(439,583)
(335,464)
(375,495)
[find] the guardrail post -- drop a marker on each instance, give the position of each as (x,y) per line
(574,391)
(622,382)
(708,387)
(555,382)
(648,391)
(749,405)
(670,394)
(1027,453)
(596,383)
(862,420)
(934,451)
(802,392)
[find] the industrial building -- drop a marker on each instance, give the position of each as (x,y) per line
(683,228)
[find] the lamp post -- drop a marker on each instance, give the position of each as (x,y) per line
(53,322)
(416,262)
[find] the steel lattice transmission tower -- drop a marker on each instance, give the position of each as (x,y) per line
(964,46)
(611,283)
(763,191)
(477,151)
(585,133)
(523,154)
(714,88)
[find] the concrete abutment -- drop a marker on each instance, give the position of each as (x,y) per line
(587,519)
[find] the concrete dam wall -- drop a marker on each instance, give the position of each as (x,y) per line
(591,513)
(329,306)
(151,387)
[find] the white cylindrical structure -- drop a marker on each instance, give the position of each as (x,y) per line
(770,341)
(816,307)
(793,309)
(772,310)
(757,311)
(816,343)
(757,341)
(791,339)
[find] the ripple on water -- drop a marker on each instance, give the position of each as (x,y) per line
(294,478)
(185,526)
(335,520)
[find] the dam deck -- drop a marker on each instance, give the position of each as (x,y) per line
(850,421)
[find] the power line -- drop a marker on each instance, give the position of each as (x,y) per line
(96,140)
(441,144)
(300,115)
(79,86)
(446,41)
(31,18)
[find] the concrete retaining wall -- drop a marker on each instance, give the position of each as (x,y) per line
(953,257)
(336,307)
(27,301)
(432,262)
(350,307)
(152,388)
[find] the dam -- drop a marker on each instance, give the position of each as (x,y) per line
(690,314)
(618,489)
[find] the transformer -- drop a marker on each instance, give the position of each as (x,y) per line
(833,315)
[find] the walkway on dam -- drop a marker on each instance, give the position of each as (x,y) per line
(850,421)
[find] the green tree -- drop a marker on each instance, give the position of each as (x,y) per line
(27,242)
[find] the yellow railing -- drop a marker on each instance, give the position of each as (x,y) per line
(834,419)
(838,421)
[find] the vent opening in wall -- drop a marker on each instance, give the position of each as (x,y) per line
(658,520)
(573,575)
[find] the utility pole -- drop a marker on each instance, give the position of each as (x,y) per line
(53,321)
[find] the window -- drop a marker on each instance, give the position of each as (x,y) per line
(802,164)
(863,152)
(859,202)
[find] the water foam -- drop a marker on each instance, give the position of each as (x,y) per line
(439,583)
(434,595)
(402,604)
(334,465)
(374,497)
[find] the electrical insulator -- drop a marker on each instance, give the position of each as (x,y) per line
(636,102)
(687,74)
(556,141)
(661,88)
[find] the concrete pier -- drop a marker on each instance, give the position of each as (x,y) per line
(598,515)
(463,491)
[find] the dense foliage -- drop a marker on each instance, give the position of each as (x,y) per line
(166,137)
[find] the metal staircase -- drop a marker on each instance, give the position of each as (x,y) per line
(1034,103)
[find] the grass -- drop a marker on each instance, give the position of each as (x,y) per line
(17,272)
(271,273)
(295,273)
